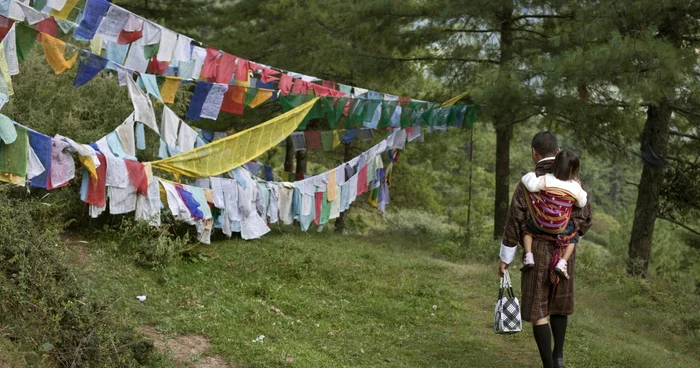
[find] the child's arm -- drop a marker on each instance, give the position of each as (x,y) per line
(532,182)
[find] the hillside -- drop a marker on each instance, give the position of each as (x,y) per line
(384,299)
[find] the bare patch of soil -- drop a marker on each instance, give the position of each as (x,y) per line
(186,350)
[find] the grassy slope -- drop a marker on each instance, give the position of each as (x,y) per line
(368,301)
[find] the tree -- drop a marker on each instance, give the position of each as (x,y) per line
(635,61)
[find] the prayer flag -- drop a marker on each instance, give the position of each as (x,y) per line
(201,92)
(233,100)
(313,140)
(64,12)
(169,89)
(90,66)
(54,50)
(92,16)
(25,41)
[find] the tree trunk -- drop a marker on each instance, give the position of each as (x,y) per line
(502,199)
(301,164)
(340,222)
(289,156)
(504,130)
(654,147)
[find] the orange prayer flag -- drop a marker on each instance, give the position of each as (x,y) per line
(262,96)
(169,89)
(54,50)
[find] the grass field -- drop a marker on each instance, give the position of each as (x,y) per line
(327,300)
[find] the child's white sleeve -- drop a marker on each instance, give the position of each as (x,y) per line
(581,199)
(532,182)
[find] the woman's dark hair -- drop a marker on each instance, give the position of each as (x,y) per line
(566,165)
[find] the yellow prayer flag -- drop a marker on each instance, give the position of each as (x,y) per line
(454,100)
(89,165)
(96,45)
(331,194)
(336,138)
(54,50)
(228,153)
(169,89)
(262,96)
(65,12)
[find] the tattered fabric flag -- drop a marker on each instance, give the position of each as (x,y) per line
(32,15)
(366,135)
(225,69)
(92,16)
(41,144)
(210,64)
(350,135)
(129,37)
(262,96)
(54,50)
(199,54)
(169,89)
(242,67)
(182,52)
(313,140)
(140,134)
(90,66)
(332,185)
(157,67)
(65,11)
(233,100)
(47,26)
(285,84)
(112,24)
(149,82)
(201,92)
(5,26)
(8,132)
(268,174)
(336,138)
(25,41)
(151,34)
(299,141)
(143,108)
(212,104)
(5,88)
(13,158)
(168,40)
(225,154)
(116,53)
(327,140)
(136,59)
(300,86)
(268,75)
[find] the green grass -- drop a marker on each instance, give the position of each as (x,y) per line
(373,301)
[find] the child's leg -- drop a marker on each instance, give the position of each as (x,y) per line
(569,251)
(527,243)
(529,260)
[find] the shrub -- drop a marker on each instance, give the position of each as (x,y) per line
(43,311)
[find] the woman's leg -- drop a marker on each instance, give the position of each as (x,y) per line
(543,338)
(558,323)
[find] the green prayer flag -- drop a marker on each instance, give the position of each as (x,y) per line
(25,41)
(325,210)
(149,51)
(388,108)
(13,157)
(356,113)
(370,109)
(249,95)
(327,140)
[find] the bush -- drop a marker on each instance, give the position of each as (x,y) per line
(43,311)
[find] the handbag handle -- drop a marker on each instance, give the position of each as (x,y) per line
(506,285)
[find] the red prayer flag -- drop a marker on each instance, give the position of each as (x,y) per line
(129,37)
(318,203)
(97,188)
(209,67)
(328,84)
(362,181)
(285,84)
(5,26)
(225,69)
(137,176)
(233,100)
(321,90)
(313,140)
(268,75)
(157,67)
(300,86)
(242,70)
(48,26)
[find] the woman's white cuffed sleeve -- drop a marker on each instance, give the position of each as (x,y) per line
(507,253)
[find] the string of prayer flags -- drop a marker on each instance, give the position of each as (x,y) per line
(90,65)
(225,154)
(92,17)
(54,50)
(201,92)
(169,89)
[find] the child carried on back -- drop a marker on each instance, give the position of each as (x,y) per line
(551,200)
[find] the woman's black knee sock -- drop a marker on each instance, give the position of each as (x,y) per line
(559,331)
(543,337)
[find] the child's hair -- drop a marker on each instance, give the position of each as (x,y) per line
(566,165)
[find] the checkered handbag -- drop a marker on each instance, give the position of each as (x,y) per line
(507,315)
